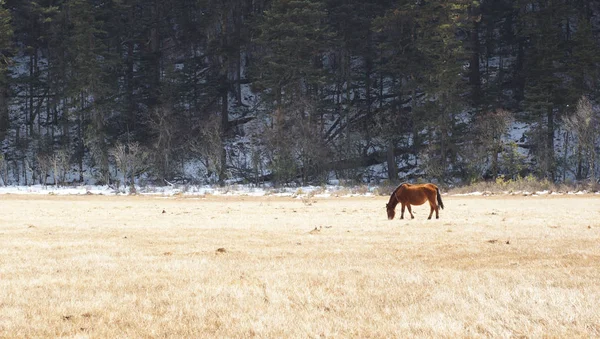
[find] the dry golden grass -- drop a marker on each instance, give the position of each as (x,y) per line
(114,267)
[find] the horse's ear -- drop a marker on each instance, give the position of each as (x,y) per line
(387,205)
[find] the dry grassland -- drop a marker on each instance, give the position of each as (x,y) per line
(110,267)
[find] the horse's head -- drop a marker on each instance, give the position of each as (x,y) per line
(391,211)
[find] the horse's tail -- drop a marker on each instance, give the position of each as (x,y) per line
(439,198)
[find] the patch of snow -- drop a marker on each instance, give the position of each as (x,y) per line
(74,190)
(325,191)
(468,194)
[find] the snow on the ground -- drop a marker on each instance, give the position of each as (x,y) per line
(468,194)
(325,191)
(190,190)
(524,193)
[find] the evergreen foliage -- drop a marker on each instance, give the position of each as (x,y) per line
(297,90)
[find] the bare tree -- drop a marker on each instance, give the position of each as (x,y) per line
(97,146)
(119,153)
(44,164)
(163,125)
(130,159)
(3,170)
(490,128)
(584,125)
(295,146)
(60,166)
(210,148)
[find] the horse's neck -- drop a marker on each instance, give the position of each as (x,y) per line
(393,200)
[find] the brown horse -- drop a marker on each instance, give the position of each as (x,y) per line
(408,194)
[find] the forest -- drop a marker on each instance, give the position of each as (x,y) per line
(298,91)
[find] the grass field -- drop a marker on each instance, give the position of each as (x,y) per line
(97,266)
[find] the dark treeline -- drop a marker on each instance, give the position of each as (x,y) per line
(99,91)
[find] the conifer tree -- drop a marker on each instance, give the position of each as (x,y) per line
(6,35)
(443,55)
(400,63)
(542,25)
(293,37)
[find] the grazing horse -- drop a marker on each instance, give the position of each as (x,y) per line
(408,194)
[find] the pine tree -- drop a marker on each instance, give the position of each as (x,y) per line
(542,25)
(6,35)
(34,23)
(294,37)
(400,63)
(584,58)
(91,83)
(359,95)
(443,56)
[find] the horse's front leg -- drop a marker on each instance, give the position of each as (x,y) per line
(410,211)
(402,211)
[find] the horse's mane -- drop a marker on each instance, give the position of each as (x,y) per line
(397,188)
(395,201)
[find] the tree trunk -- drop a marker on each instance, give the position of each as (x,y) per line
(519,77)
(130,114)
(4,113)
(224,128)
(367,75)
(592,165)
(474,74)
(155,56)
(81,146)
(238,53)
(566,149)
(550,145)
(392,167)
(579,172)
(29,105)
(494,165)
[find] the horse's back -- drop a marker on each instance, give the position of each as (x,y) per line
(427,186)
(418,194)
(431,187)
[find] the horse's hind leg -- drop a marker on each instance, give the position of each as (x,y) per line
(410,211)
(432,207)
(430,212)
